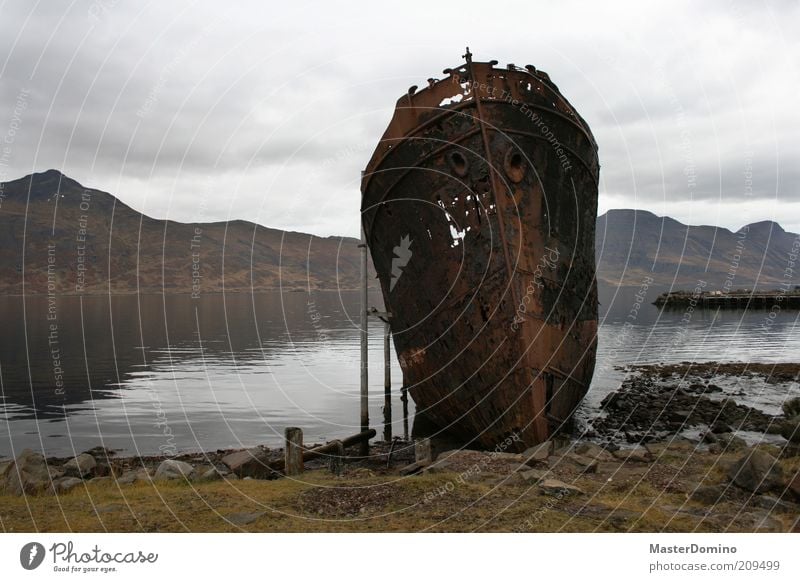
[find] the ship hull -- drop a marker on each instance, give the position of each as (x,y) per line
(479,215)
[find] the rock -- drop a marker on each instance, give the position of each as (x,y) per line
(249,463)
(720,427)
(533,475)
(100,480)
(100,452)
(790,429)
(558,488)
(758,522)
(771,504)
(731,443)
(172,469)
(28,473)
(65,484)
(211,474)
(793,486)
(507,457)
(244,518)
(756,471)
(709,437)
(637,455)
(538,453)
(707,494)
(594,451)
(103,470)
(414,468)
(81,466)
(3,468)
(584,464)
(134,476)
(791,407)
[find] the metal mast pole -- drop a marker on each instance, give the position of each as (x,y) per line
(364,350)
(387,384)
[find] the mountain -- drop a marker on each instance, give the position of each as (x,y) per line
(84,240)
(634,244)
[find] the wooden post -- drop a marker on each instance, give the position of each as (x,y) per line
(336,460)
(364,350)
(387,385)
(293,453)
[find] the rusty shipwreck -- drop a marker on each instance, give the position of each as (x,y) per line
(478,208)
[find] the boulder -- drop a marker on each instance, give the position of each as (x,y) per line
(65,484)
(558,488)
(28,473)
(172,469)
(538,453)
(81,466)
(756,471)
(249,463)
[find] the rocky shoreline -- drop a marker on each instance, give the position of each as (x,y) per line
(667,448)
(31,473)
(657,402)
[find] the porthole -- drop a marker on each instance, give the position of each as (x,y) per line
(458,163)
(514,165)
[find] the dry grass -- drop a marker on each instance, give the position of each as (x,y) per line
(634,498)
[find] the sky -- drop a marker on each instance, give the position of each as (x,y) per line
(268,111)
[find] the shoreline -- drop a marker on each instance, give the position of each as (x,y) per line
(711,482)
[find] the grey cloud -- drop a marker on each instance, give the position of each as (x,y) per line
(284,106)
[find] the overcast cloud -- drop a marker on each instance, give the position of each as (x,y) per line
(216,111)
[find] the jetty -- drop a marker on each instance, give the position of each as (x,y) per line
(739,299)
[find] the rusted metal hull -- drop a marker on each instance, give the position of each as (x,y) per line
(479,209)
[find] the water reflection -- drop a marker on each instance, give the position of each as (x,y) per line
(151,373)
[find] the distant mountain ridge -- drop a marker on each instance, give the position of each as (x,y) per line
(632,245)
(85,240)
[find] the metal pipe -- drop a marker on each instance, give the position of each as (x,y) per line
(364,349)
(387,385)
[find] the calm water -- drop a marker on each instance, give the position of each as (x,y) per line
(149,374)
